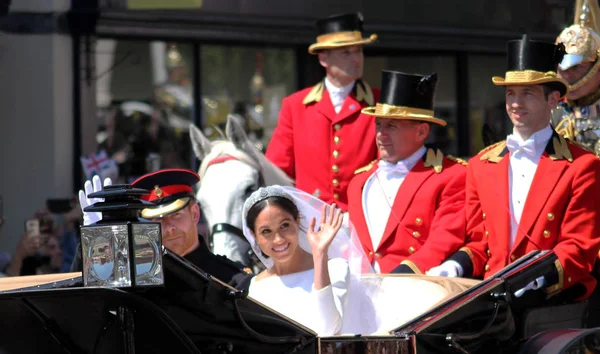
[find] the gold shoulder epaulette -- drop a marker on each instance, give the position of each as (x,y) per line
(435,159)
(492,152)
(561,149)
(489,147)
(315,94)
(365,168)
(364,92)
(457,160)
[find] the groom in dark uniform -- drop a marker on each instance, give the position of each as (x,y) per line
(178,213)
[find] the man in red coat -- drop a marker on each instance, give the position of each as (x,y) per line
(535,190)
(408,208)
(321,137)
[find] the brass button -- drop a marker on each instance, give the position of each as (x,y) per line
(487,268)
(335,183)
(487,234)
(512,257)
(336,196)
(335,168)
(336,139)
(550,216)
(411,250)
(569,279)
(418,221)
(483,216)
(336,154)
(370,253)
(337,127)
(378,255)
(546,233)
(489,253)
(416,234)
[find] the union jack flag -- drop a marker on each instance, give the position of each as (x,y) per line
(100,164)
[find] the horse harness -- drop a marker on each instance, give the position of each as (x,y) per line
(223,226)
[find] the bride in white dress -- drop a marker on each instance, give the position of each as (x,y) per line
(306,279)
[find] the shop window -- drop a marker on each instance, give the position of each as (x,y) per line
(250,81)
(445,99)
(144,104)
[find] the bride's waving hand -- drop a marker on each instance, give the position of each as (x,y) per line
(331,222)
(319,240)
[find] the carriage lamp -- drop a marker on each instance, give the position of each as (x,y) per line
(120,251)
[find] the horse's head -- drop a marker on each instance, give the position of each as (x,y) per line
(230,171)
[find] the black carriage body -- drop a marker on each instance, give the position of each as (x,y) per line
(195,313)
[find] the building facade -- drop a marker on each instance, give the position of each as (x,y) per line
(129,76)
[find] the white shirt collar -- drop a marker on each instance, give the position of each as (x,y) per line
(409,162)
(343,91)
(540,137)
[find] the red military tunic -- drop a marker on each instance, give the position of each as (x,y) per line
(561,213)
(427,222)
(319,148)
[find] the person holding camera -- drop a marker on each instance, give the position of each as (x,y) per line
(38,250)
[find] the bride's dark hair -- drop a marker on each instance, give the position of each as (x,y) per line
(281,202)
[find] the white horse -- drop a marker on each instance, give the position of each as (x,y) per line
(230,170)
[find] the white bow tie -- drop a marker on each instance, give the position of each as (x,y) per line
(389,170)
(515,145)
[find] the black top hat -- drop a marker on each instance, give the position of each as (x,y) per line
(406,96)
(340,23)
(533,63)
(170,190)
(340,31)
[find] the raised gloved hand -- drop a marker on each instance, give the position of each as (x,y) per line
(534,285)
(449,269)
(91,187)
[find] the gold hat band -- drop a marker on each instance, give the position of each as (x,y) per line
(528,75)
(345,36)
(386,109)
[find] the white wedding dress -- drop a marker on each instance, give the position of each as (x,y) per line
(293,296)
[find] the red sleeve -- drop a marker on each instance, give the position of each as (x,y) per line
(476,245)
(281,147)
(447,233)
(579,241)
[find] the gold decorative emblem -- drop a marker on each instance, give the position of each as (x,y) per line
(158,191)
(434,159)
(561,149)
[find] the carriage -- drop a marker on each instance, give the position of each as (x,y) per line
(189,311)
(196,313)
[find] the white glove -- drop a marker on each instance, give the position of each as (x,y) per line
(91,217)
(534,285)
(449,269)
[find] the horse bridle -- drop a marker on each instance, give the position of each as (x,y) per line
(227,227)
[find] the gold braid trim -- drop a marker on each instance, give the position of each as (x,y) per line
(386,109)
(492,153)
(412,266)
(556,288)
(528,75)
(457,160)
(344,36)
(365,168)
